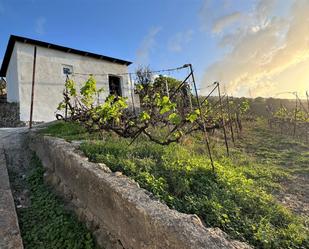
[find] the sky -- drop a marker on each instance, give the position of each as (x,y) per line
(253,47)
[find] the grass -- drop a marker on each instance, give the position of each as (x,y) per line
(69,131)
(268,146)
(237,197)
(46,223)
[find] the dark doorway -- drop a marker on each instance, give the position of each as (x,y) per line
(114,85)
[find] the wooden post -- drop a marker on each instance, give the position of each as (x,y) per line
(222,120)
(295,115)
(203,120)
(32,88)
(66,103)
(190,99)
(307,124)
(132,93)
(166,88)
(230,119)
(307,95)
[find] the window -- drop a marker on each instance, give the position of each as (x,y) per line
(67,69)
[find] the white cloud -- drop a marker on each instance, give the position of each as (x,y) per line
(267,53)
(223,22)
(147,45)
(178,41)
(264,8)
(40,25)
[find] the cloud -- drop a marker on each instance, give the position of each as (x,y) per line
(40,25)
(178,41)
(264,8)
(267,54)
(223,22)
(212,19)
(148,43)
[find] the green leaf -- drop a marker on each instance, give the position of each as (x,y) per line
(144,116)
(71,87)
(192,117)
(61,106)
(174,118)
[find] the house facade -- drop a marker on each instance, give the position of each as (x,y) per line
(53,63)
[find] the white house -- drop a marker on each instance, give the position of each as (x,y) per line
(52,63)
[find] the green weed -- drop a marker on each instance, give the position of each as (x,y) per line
(45,224)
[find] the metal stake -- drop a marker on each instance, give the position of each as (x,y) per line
(230,119)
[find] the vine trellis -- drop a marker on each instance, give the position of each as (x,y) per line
(293,121)
(169,109)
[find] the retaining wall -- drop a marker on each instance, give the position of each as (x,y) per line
(120,214)
(9,230)
(9,114)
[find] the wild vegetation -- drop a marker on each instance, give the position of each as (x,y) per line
(237,190)
(45,222)
(293,122)
(237,198)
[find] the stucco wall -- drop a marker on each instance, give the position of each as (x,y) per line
(120,213)
(12,79)
(49,78)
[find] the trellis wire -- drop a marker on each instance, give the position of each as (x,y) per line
(186,82)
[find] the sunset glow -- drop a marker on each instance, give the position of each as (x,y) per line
(268,50)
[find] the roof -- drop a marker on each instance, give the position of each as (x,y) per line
(14,38)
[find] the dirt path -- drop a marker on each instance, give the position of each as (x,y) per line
(290,155)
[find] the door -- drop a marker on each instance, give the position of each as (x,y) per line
(114,85)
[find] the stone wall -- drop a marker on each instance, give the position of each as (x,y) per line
(9,114)
(120,214)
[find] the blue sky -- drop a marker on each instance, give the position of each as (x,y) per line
(161,33)
(117,28)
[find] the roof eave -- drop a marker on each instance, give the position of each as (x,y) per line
(13,39)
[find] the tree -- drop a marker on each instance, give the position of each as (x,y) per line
(2,86)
